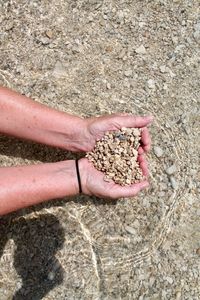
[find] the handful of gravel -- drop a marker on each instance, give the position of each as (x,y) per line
(116,155)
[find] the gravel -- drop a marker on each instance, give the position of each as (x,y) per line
(116,156)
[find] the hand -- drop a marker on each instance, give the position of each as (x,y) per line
(94,129)
(93,182)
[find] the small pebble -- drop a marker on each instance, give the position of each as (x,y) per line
(196,33)
(151,84)
(161,194)
(158,151)
(162,69)
(140,50)
(141,24)
(178,295)
(128,73)
(90,18)
(9,26)
(108,86)
(59,70)
(51,276)
(173,182)
(44,41)
(198,251)
(171,170)
(49,34)
(169,279)
(130,230)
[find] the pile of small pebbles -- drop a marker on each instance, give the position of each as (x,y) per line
(116,155)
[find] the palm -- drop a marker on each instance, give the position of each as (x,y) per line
(96,185)
(95,180)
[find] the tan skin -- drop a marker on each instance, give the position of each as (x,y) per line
(28,185)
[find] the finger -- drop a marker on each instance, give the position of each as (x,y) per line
(113,116)
(129,191)
(132,121)
(140,150)
(145,139)
(143,165)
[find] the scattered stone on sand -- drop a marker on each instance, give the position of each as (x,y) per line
(131,230)
(151,84)
(198,251)
(51,276)
(158,151)
(178,295)
(163,69)
(196,33)
(59,70)
(140,50)
(116,155)
(49,33)
(108,85)
(128,73)
(173,182)
(169,279)
(171,170)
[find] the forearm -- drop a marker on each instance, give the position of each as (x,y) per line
(28,119)
(28,185)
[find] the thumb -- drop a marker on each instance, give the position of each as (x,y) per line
(133,121)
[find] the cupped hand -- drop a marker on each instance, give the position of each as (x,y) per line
(95,128)
(93,182)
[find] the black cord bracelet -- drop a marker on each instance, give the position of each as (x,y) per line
(78,176)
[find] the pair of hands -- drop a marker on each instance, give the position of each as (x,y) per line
(93,129)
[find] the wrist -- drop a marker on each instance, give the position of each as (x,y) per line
(71,133)
(68,174)
(66,177)
(67,131)
(77,136)
(83,171)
